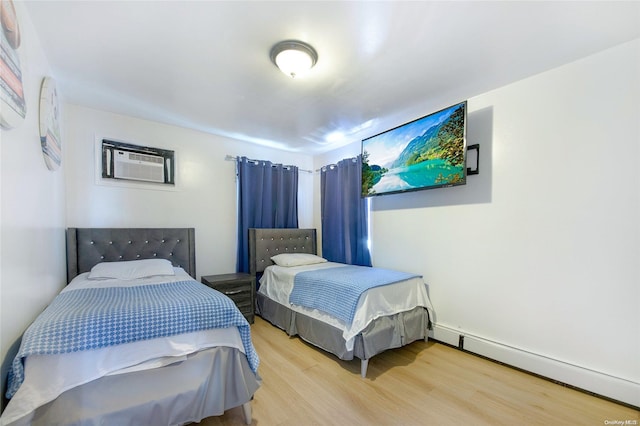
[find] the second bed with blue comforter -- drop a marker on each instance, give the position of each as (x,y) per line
(341,288)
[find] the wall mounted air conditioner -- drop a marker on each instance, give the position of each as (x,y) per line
(132,162)
(134,166)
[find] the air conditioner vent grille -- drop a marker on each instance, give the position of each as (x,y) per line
(146,158)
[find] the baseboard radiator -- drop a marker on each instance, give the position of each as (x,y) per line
(616,388)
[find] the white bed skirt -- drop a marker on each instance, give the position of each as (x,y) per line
(207,384)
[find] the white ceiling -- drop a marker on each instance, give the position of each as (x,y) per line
(205,64)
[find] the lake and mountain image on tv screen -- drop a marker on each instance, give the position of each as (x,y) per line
(425,153)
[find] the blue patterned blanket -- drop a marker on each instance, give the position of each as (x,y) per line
(93,318)
(336,291)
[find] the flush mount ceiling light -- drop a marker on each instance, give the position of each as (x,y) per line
(293,57)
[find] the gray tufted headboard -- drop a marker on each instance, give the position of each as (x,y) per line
(87,247)
(267,242)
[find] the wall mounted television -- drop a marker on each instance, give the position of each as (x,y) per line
(426,153)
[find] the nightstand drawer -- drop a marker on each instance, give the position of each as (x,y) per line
(236,294)
(238,287)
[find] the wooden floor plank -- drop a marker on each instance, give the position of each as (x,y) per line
(419,384)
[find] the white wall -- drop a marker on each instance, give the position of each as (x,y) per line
(205,192)
(537,259)
(32,198)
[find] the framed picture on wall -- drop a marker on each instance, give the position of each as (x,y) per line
(12,99)
(50,137)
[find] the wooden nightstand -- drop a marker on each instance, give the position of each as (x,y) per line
(238,287)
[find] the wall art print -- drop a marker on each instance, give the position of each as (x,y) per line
(13,107)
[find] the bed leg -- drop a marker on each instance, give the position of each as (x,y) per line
(246,412)
(363,367)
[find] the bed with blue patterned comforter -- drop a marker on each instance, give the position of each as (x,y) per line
(158,350)
(93,318)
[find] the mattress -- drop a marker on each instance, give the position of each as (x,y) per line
(277,283)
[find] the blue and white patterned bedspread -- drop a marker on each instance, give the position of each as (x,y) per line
(336,291)
(93,318)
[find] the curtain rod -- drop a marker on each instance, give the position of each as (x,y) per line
(232,158)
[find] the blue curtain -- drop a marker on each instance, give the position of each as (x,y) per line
(345,230)
(267,198)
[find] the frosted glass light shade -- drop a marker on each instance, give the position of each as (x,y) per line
(293,62)
(294,58)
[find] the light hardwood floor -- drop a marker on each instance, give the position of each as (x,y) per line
(419,384)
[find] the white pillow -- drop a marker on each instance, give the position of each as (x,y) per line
(297,259)
(131,269)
